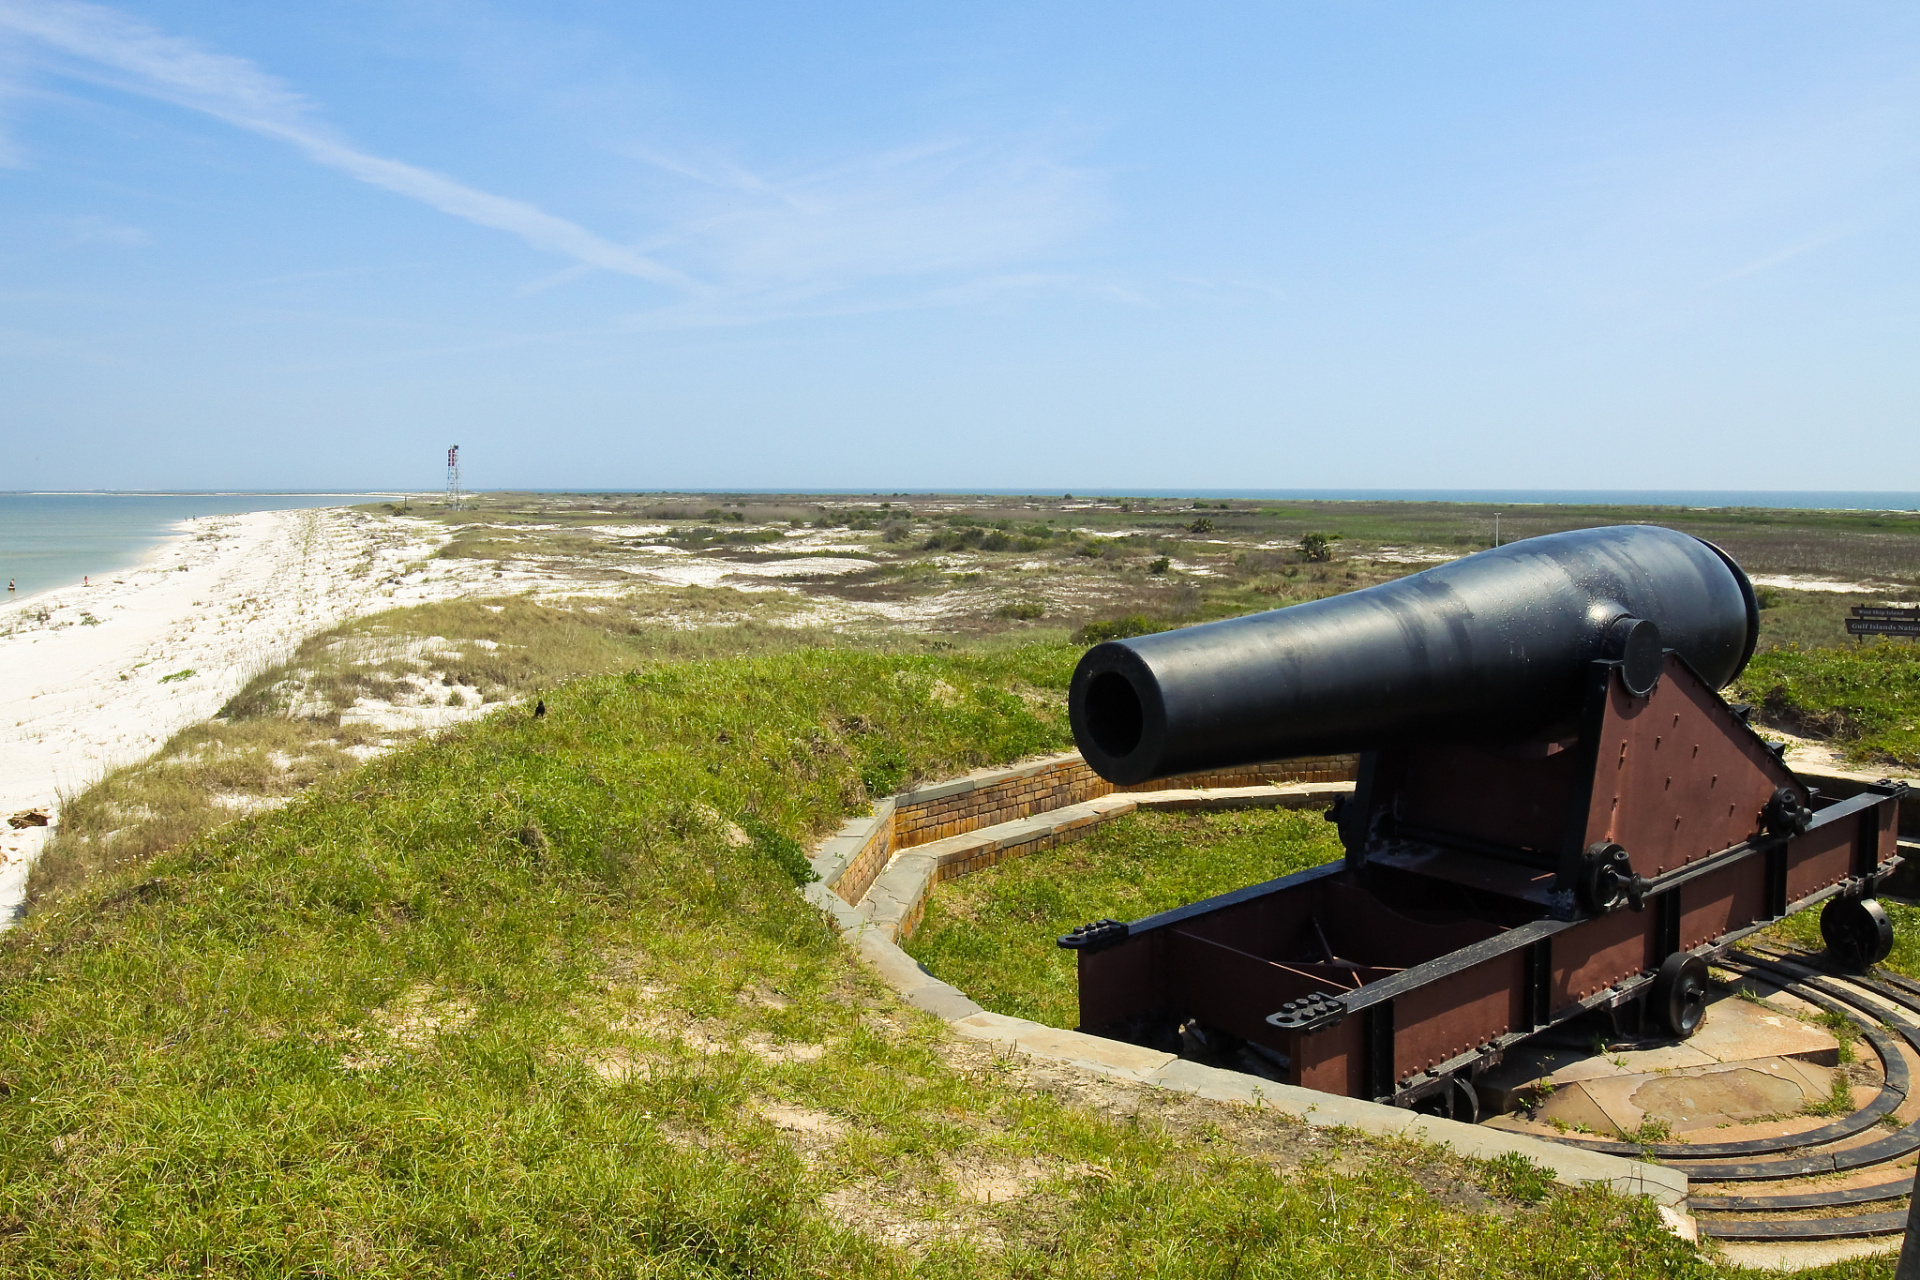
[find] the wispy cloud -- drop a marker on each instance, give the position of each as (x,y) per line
(947,222)
(12,76)
(106,46)
(936,224)
(1785,255)
(91,229)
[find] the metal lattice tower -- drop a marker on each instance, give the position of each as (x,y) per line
(454,496)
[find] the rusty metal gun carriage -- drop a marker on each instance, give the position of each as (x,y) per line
(1556,814)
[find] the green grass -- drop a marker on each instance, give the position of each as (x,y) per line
(283,731)
(992,933)
(1864,697)
(530,1000)
(1838,1102)
(1807,619)
(184,789)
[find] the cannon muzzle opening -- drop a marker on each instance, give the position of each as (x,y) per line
(1115,717)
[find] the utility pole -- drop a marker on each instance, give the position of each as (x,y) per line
(1496,528)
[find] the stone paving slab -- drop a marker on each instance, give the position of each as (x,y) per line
(1570,1105)
(984,777)
(1707,1097)
(896,893)
(1734,1030)
(898,969)
(837,850)
(1741,1030)
(1025,830)
(1632,1062)
(1798,1254)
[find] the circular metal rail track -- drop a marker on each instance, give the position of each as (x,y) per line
(1834,1194)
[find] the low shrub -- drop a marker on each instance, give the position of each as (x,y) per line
(1317,548)
(969,538)
(1133,624)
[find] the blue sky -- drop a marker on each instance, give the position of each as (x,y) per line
(1274,246)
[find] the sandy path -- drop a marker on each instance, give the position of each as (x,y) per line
(83,670)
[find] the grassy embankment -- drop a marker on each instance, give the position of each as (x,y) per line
(303,721)
(1863,698)
(296,723)
(537,998)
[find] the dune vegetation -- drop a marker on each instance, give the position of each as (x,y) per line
(538,997)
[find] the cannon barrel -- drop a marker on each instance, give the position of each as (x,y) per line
(1490,646)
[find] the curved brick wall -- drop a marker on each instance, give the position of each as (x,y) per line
(850,861)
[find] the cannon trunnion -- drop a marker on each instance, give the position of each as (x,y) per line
(1494,884)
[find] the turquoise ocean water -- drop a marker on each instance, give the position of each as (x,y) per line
(53,539)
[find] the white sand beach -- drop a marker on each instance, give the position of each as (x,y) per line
(101,676)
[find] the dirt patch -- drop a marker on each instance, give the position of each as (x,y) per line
(768,1049)
(987,1182)
(702,1037)
(810,1127)
(763,998)
(618,1065)
(411,1023)
(905,1218)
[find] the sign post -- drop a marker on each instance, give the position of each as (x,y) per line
(1883,620)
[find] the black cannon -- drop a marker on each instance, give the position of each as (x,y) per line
(1555,814)
(1494,645)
